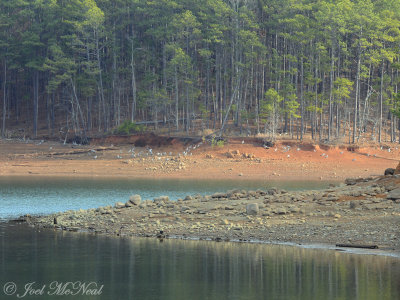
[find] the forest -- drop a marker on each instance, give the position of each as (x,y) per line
(325,69)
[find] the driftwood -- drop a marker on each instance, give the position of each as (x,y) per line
(357,246)
(81,151)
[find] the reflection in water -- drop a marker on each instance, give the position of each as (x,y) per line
(173,269)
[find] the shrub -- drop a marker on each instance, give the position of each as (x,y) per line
(128,127)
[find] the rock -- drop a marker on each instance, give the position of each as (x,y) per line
(397,170)
(135,199)
(185,208)
(188,198)
(128,204)
(252,209)
(236,152)
(389,171)
(281,211)
(394,194)
(219,195)
(225,222)
(350,181)
(119,205)
(161,199)
(353,204)
(209,156)
(229,155)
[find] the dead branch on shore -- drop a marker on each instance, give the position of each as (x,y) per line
(357,246)
(74,152)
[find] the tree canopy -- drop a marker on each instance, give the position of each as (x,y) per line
(328,68)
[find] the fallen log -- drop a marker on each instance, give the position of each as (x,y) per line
(63,153)
(357,246)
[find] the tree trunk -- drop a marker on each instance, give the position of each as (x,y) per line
(3,128)
(133,83)
(381,104)
(357,93)
(35,101)
(176,99)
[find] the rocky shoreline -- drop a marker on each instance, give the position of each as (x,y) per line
(358,212)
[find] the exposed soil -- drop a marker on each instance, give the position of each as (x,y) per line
(150,156)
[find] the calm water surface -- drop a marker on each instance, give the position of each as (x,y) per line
(44,195)
(149,269)
(172,269)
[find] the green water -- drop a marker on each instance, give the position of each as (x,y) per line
(45,195)
(139,268)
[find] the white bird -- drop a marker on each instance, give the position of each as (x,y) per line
(298,149)
(95,157)
(242,142)
(288,155)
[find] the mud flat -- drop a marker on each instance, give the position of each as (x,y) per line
(358,212)
(165,157)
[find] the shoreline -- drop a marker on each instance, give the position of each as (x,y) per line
(360,212)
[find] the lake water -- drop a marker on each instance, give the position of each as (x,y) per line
(138,268)
(45,195)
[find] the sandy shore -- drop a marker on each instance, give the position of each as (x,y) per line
(366,212)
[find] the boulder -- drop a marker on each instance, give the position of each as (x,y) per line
(135,199)
(389,171)
(119,205)
(397,170)
(394,194)
(252,209)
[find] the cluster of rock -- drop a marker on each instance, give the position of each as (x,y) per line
(272,214)
(237,154)
(159,164)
